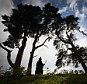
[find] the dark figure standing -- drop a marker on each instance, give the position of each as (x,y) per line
(39,67)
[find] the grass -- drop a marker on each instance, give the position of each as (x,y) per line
(47,79)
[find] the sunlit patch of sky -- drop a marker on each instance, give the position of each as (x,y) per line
(85,22)
(80,5)
(67,13)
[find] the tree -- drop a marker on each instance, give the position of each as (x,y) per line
(20,26)
(17,26)
(28,21)
(65,36)
(42,27)
(8,55)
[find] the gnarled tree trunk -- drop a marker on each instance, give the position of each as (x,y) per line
(34,47)
(20,53)
(31,56)
(8,56)
(83,64)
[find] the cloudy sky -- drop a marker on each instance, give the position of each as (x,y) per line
(67,7)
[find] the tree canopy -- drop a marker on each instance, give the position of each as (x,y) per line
(28,21)
(65,43)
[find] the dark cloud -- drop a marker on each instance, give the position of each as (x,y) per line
(5,5)
(5,8)
(16,2)
(59,3)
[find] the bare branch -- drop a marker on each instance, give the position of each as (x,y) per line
(8,55)
(5,48)
(82,32)
(35,56)
(42,43)
(62,39)
(46,46)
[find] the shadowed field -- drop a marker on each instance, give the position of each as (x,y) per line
(47,79)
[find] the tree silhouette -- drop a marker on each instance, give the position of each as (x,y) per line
(28,21)
(42,27)
(65,36)
(17,26)
(21,25)
(8,55)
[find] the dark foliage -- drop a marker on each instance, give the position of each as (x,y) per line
(28,21)
(65,43)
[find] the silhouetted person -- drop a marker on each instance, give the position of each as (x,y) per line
(39,67)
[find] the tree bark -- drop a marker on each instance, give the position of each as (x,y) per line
(29,69)
(30,63)
(20,52)
(8,56)
(9,59)
(19,55)
(83,64)
(32,53)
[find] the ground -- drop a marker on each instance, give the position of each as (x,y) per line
(47,79)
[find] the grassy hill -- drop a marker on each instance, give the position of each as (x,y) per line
(47,79)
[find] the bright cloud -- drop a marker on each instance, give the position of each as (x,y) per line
(72,4)
(84,10)
(80,15)
(64,9)
(32,2)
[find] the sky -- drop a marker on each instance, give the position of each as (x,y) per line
(66,7)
